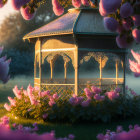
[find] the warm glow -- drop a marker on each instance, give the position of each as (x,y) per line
(6,10)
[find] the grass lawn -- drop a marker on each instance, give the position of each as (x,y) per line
(81,131)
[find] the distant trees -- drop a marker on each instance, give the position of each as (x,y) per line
(14,27)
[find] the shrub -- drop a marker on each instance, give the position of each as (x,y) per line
(94,105)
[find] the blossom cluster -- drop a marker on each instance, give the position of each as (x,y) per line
(28,7)
(135,66)
(21,132)
(120,134)
(122,17)
(32,95)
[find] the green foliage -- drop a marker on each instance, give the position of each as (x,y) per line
(105,111)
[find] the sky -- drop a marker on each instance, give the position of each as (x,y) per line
(6,10)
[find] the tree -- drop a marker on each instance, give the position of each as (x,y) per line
(14,27)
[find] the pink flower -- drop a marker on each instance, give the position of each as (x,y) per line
(76,3)
(85,2)
(57,8)
(17,92)
(112,95)
(27,14)
(36,88)
(133,93)
(136,19)
(51,102)
(7,107)
(89,94)
(136,35)
(135,67)
(16,4)
(25,92)
(45,93)
(55,96)
(44,116)
(95,90)
(12,101)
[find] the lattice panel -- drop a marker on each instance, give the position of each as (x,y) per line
(65,91)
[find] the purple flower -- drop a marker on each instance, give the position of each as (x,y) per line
(119,129)
(126,10)
(98,97)
(85,103)
(110,24)
(71,136)
(117,90)
(4,68)
(100,137)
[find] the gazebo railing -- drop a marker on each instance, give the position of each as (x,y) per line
(65,88)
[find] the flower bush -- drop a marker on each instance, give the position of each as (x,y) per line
(94,105)
(120,134)
(20,132)
(122,16)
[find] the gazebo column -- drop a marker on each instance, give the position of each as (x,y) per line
(65,70)
(117,72)
(35,67)
(76,70)
(51,67)
(40,63)
(100,71)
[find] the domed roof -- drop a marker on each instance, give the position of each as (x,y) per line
(76,21)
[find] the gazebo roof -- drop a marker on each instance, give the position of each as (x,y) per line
(76,21)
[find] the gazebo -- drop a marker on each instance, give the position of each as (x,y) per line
(80,40)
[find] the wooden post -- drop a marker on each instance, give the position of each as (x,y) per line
(51,66)
(40,63)
(100,71)
(117,72)
(35,67)
(76,70)
(65,70)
